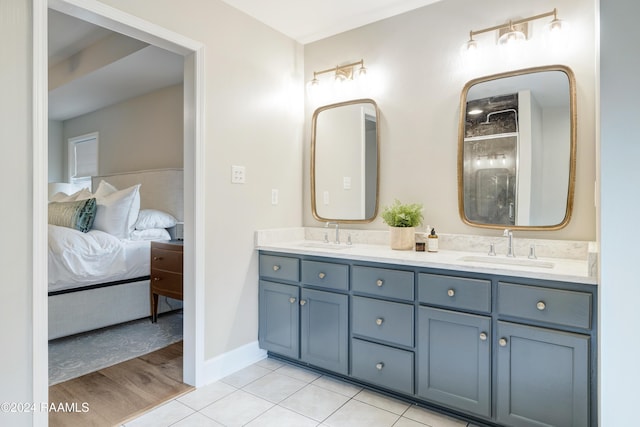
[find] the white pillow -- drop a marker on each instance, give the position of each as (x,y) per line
(104,189)
(81,194)
(150,234)
(117,213)
(153,218)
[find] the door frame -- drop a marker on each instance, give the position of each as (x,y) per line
(194,77)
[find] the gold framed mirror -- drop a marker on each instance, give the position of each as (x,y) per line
(517,149)
(345,162)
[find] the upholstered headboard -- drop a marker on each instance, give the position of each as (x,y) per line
(160,189)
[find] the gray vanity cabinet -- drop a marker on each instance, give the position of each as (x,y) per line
(324,330)
(279,314)
(454,359)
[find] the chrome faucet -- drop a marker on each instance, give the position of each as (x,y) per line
(508,233)
(326,239)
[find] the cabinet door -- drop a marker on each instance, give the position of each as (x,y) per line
(279,318)
(454,359)
(543,377)
(324,333)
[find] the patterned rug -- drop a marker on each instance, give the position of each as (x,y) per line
(74,356)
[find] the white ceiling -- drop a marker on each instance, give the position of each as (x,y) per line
(153,68)
(310,20)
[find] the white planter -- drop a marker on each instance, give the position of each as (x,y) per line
(402,238)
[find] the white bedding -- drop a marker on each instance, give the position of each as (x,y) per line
(78,259)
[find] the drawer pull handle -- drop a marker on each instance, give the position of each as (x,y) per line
(541,305)
(379,366)
(276,267)
(321,275)
(503,342)
(303,301)
(157,258)
(156,279)
(483,336)
(451,292)
(292,300)
(379,282)
(379,321)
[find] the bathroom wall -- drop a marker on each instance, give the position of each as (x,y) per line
(416,74)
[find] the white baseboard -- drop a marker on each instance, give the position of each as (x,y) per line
(232,361)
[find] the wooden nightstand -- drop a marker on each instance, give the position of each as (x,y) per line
(166,273)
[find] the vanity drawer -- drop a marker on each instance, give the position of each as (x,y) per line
(383,282)
(378,364)
(562,307)
(279,268)
(455,292)
(325,274)
(383,320)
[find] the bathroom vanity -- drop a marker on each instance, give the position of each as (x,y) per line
(507,345)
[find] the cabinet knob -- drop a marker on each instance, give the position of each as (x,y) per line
(379,282)
(155,279)
(451,292)
(379,366)
(303,301)
(483,336)
(276,267)
(321,275)
(379,321)
(157,258)
(502,342)
(541,305)
(292,300)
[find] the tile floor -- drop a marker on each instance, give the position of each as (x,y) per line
(273,393)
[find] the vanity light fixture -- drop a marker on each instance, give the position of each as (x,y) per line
(341,73)
(515,32)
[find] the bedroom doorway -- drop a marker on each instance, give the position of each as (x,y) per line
(192,52)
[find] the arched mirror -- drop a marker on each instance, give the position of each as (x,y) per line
(345,162)
(517,149)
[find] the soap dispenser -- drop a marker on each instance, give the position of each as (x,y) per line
(432,241)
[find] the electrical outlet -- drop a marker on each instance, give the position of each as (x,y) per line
(346,182)
(274,196)
(237,174)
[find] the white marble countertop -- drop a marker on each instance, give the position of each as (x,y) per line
(560,269)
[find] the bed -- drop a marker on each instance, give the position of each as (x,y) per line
(100,276)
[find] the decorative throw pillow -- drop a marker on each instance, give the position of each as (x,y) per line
(117,213)
(104,189)
(153,218)
(79,214)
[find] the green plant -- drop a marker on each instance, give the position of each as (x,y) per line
(403,215)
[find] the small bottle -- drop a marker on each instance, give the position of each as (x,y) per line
(432,241)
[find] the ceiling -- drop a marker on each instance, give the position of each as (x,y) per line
(153,68)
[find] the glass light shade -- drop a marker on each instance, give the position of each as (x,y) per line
(471,45)
(511,38)
(557,32)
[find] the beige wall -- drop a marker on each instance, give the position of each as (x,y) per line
(142,133)
(417,75)
(253,118)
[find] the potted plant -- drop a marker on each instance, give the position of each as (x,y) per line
(402,220)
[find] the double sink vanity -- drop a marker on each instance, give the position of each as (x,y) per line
(493,339)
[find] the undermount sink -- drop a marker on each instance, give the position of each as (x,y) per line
(522,262)
(323,245)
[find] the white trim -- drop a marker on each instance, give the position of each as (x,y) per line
(232,361)
(40,351)
(116,20)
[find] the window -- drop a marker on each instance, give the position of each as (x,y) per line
(83,159)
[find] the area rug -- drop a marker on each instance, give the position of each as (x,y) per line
(74,356)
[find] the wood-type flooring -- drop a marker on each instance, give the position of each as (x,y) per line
(113,395)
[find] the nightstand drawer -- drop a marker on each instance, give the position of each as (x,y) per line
(325,274)
(279,268)
(378,364)
(455,292)
(562,307)
(166,260)
(383,282)
(383,320)
(166,283)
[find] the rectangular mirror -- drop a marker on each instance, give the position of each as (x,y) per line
(345,162)
(516,149)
